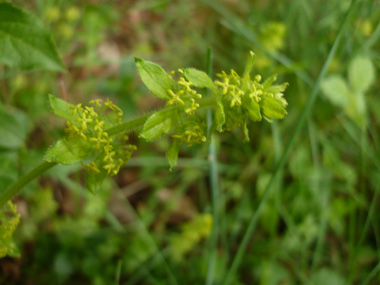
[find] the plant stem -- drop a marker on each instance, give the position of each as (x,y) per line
(214,185)
(140,121)
(128,126)
(15,188)
(280,164)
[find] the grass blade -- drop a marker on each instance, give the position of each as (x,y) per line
(236,25)
(214,185)
(301,122)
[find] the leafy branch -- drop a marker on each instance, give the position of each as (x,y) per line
(97,138)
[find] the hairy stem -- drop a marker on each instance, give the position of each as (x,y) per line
(15,188)
(128,126)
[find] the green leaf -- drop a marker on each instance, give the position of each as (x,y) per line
(199,78)
(14,127)
(159,123)
(356,109)
(172,153)
(273,108)
(269,82)
(220,116)
(94,181)
(9,172)
(245,132)
(24,42)
(253,109)
(324,274)
(361,73)
(68,151)
(62,108)
(336,90)
(154,77)
(277,89)
(248,69)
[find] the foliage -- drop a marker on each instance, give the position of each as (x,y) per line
(191,234)
(9,219)
(87,138)
(350,97)
(318,221)
(24,42)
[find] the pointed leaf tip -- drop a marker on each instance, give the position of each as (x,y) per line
(154,77)
(25,42)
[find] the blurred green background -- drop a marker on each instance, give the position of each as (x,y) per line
(320,224)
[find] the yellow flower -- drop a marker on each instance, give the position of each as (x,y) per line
(175,97)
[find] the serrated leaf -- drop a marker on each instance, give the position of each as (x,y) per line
(199,78)
(154,77)
(172,153)
(220,116)
(277,89)
(361,73)
(253,109)
(336,90)
(159,123)
(68,151)
(24,42)
(62,108)
(272,108)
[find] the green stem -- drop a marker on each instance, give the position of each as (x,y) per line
(140,121)
(280,164)
(214,185)
(40,169)
(15,188)
(129,125)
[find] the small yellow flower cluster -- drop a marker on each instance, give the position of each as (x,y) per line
(194,133)
(90,124)
(9,219)
(255,89)
(231,86)
(246,98)
(185,95)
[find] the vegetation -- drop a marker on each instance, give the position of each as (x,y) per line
(176,182)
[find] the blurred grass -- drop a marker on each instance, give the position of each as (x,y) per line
(318,224)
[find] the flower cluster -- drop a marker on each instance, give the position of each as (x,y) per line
(191,129)
(246,98)
(234,100)
(184,94)
(240,98)
(192,133)
(9,219)
(90,124)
